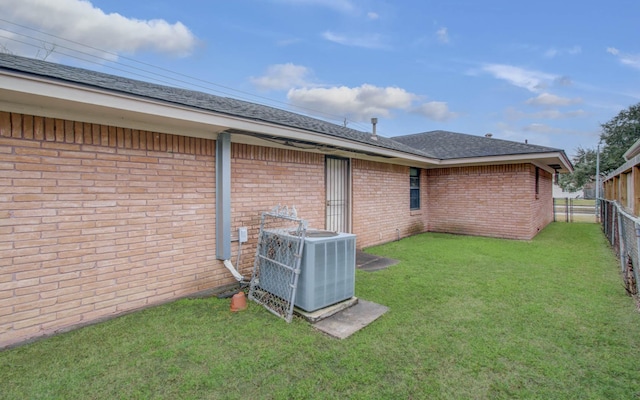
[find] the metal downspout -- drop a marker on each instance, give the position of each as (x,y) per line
(223,196)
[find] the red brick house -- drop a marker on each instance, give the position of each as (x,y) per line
(118,194)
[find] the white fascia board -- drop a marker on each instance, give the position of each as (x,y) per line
(535,158)
(56,99)
(20,92)
(343,151)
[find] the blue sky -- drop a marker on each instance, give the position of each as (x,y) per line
(548,72)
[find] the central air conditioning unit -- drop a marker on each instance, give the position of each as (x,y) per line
(327,269)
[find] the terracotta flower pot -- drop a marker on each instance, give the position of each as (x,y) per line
(238,302)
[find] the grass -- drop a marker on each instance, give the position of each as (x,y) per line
(584,202)
(581,218)
(469,318)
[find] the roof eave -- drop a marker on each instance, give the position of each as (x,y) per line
(49,97)
(23,92)
(548,160)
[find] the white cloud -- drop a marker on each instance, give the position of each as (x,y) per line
(563,81)
(345,6)
(374,41)
(436,111)
(283,77)
(541,128)
(443,35)
(534,81)
(372,15)
(631,60)
(548,99)
(553,52)
(288,42)
(358,103)
(514,114)
(80,21)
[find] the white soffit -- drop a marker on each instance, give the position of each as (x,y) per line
(543,160)
(56,99)
(23,93)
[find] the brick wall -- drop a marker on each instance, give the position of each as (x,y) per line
(381,203)
(97,220)
(263,178)
(542,205)
(495,201)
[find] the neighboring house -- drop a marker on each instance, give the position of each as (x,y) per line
(559,193)
(117,194)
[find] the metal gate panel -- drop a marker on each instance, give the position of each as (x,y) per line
(338,197)
(277,264)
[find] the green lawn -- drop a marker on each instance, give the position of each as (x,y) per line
(469,318)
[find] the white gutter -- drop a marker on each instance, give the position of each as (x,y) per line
(528,157)
(23,93)
(56,99)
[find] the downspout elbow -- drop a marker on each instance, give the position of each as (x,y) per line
(234,272)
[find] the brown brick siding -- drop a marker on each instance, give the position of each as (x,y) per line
(381,203)
(494,201)
(263,178)
(97,220)
(542,206)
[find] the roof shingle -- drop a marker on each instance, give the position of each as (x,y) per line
(195,99)
(442,145)
(446,145)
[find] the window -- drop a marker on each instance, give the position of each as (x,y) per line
(414,188)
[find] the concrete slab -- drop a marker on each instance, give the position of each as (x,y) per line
(326,312)
(346,322)
(371,262)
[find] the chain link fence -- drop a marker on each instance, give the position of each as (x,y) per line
(573,210)
(277,263)
(623,232)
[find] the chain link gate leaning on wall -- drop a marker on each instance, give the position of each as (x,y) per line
(623,232)
(277,264)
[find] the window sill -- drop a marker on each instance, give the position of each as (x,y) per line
(415,212)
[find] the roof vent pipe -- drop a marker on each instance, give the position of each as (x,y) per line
(488,135)
(374,121)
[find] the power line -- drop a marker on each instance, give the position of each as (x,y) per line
(151,75)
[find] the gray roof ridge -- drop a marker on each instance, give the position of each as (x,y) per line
(534,147)
(447,145)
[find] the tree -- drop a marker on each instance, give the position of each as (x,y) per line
(618,135)
(584,169)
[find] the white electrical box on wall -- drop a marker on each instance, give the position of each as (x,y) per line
(243,236)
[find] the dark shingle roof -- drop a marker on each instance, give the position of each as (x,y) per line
(441,145)
(195,99)
(446,145)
